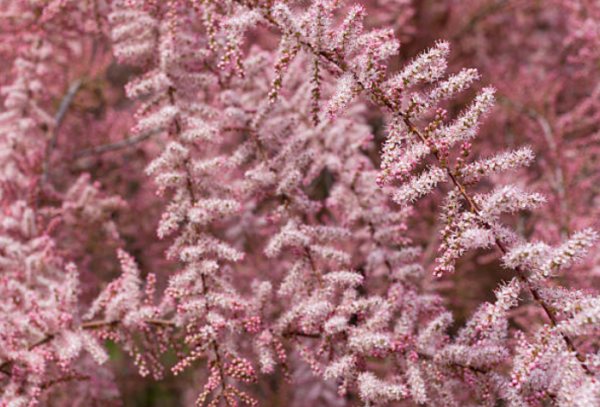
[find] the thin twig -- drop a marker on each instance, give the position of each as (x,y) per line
(102,324)
(115,146)
(453,364)
(64,379)
(88,325)
(58,119)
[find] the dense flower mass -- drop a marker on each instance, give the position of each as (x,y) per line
(299,203)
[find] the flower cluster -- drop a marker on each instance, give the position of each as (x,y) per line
(245,198)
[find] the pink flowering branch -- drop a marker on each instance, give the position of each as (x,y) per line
(379,97)
(291,217)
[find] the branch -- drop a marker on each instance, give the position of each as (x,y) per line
(115,146)
(88,325)
(521,274)
(379,98)
(480,15)
(58,119)
(102,324)
(453,364)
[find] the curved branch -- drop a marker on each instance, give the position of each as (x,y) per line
(116,145)
(99,324)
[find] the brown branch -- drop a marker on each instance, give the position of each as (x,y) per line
(453,364)
(313,267)
(87,325)
(64,379)
(103,324)
(53,134)
(58,119)
(116,145)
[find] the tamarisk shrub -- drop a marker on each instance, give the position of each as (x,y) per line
(267,203)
